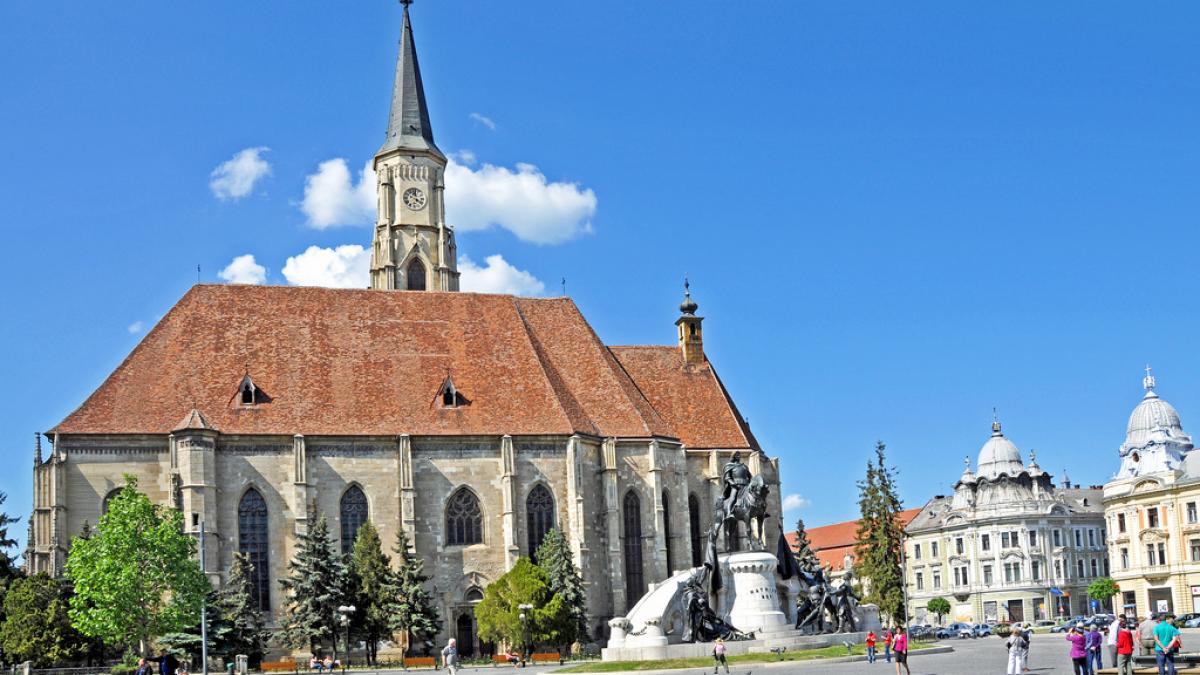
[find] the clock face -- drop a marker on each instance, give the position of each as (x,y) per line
(414,199)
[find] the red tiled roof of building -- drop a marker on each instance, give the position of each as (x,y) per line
(832,543)
(366,362)
(690,395)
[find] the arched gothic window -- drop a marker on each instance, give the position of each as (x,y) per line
(108,498)
(464,520)
(416,276)
(632,543)
(694,530)
(252,543)
(539,517)
(354,514)
(666,503)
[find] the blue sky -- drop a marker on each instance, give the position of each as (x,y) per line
(894,216)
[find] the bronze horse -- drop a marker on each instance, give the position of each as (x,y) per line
(750,506)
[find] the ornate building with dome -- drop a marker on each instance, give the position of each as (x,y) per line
(1151,507)
(474,422)
(1007,545)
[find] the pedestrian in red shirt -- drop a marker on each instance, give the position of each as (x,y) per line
(1124,647)
(871,646)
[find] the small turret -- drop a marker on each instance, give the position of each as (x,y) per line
(691,336)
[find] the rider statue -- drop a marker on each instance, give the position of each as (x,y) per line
(734,479)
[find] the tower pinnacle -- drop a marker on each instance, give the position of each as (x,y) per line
(408,120)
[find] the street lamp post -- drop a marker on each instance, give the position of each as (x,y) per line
(346,611)
(524,616)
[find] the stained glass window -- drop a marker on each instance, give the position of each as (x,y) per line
(354,514)
(694,528)
(634,580)
(252,542)
(539,517)
(464,520)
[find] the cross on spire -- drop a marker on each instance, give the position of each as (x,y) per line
(1148,382)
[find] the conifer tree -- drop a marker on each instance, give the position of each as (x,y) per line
(8,567)
(371,571)
(413,611)
(803,551)
(554,556)
(315,589)
(237,607)
(879,538)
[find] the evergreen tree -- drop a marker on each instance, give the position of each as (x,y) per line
(879,539)
(372,569)
(238,608)
(803,550)
(413,612)
(37,627)
(314,589)
(554,556)
(136,577)
(8,566)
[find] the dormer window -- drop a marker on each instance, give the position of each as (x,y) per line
(248,393)
(449,396)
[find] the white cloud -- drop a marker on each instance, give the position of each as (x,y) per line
(236,177)
(331,198)
(498,276)
(347,266)
(522,202)
(136,327)
(484,120)
(795,501)
(244,270)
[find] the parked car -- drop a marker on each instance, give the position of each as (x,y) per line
(1042,623)
(945,632)
(1065,626)
(982,630)
(920,633)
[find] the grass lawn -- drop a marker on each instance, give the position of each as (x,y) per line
(705,661)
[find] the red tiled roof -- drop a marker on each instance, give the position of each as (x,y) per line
(365,362)
(832,543)
(692,396)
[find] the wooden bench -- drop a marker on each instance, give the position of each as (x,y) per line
(546,657)
(502,660)
(420,662)
(278,666)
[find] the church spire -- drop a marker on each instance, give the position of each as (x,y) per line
(408,121)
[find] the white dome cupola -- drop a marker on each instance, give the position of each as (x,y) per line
(1154,438)
(998,456)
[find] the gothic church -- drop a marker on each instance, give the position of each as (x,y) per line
(475,422)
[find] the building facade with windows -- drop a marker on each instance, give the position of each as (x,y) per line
(1008,545)
(474,422)
(1151,506)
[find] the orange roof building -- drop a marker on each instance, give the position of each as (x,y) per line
(834,544)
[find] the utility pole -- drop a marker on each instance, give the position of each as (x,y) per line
(203,612)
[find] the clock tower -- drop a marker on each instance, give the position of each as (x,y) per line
(413,248)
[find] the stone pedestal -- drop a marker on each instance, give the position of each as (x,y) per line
(754,602)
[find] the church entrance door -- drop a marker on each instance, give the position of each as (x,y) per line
(466,634)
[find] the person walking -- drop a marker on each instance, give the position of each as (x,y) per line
(1028,632)
(887,644)
(1095,643)
(1145,634)
(1110,641)
(900,647)
(719,656)
(450,656)
(1078,650)
(1166,644)
(1017,645)
(142,668)
(871,646)
(1124,647)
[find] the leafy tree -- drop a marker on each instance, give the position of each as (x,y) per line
(554,556)
(804,554)
(1102,589)
(315,587)
(879,538)
(37,626)
(413,612)
(136,577)
(939,606)
(499,612)
(372,571)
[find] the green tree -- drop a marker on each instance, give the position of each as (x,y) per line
(136,577)
(239,610)
(1102,589)
(8,566)
(803,550)
(315,588)
(879,538)
(413,612)
(939,606)
(372,571)
(554,557)
(37,626)
(499,612)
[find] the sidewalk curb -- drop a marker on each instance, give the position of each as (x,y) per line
(783,664)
